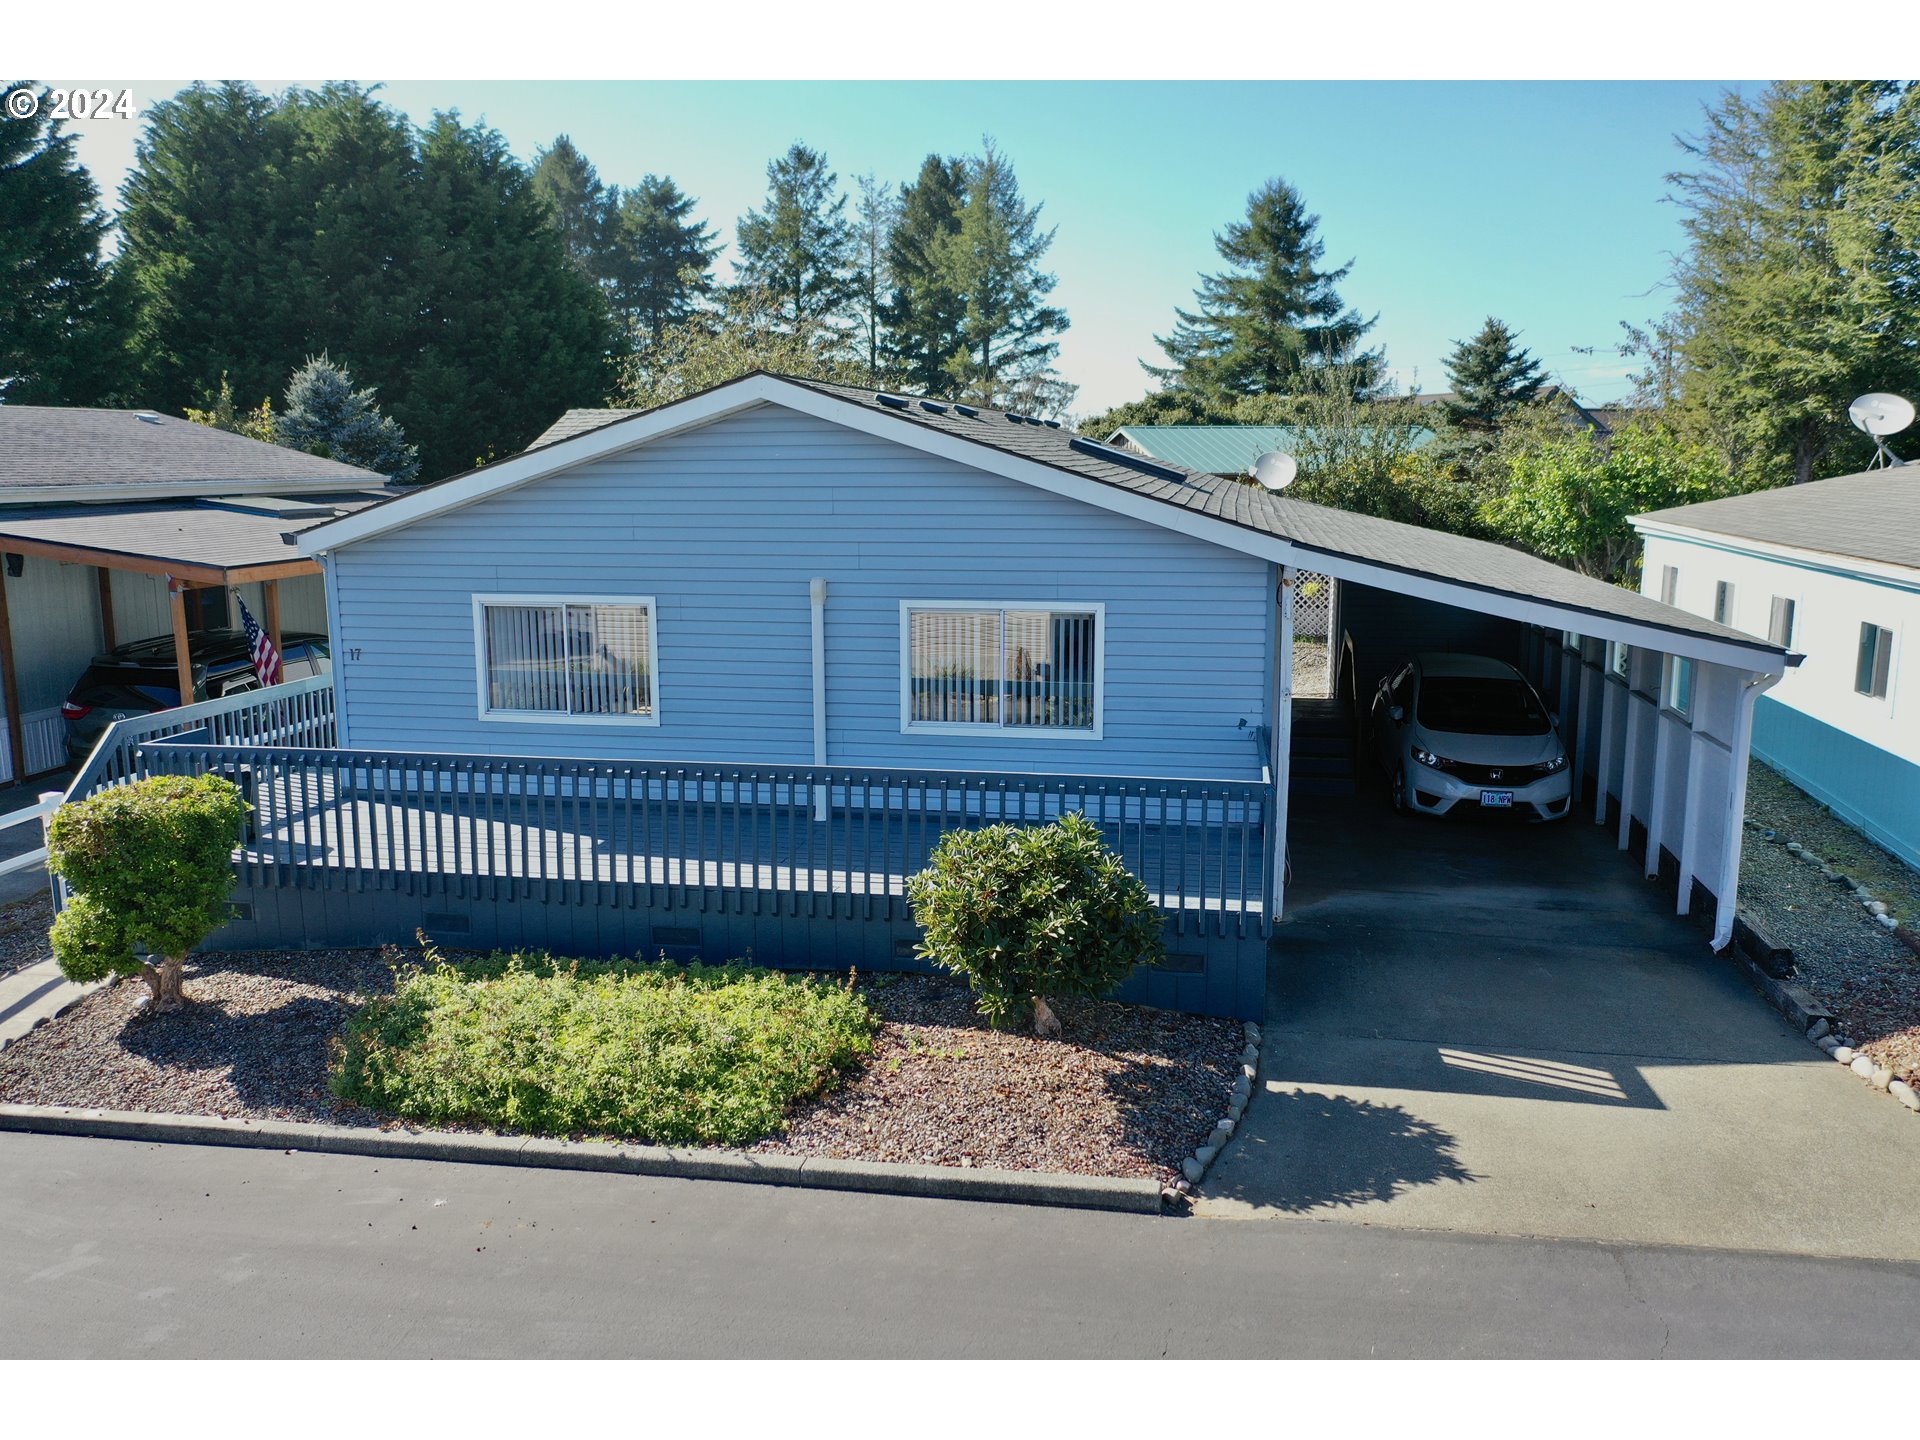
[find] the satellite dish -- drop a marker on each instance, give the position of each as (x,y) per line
(1881,415)
(1274,470)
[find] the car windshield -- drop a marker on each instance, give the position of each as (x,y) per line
(1480,705)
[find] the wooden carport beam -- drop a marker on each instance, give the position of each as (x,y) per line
(270,602)
(105,578)
(10,687)
(183,658)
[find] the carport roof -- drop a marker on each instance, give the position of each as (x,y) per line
(1453,569)
(204,542)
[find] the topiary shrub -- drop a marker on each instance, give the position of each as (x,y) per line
(150,866)
(1024,912)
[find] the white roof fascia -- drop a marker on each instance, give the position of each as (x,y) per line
(1552,614)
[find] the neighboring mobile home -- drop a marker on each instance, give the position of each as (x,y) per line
(1830,569)
(711,678)
(122,525)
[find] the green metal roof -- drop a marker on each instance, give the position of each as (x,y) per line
(1213,449)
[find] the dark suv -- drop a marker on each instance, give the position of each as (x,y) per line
(141,677)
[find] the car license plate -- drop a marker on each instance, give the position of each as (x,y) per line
(1497,799)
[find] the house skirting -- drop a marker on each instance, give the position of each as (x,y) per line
(1204,973)
(1876,792)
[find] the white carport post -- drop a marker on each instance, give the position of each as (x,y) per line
(1663,747)
(1282,737)
(1697,742)
(1727,894)
(1610,703)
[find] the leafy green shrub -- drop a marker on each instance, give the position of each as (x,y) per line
(150,866)
(662,1052)
(1023,912)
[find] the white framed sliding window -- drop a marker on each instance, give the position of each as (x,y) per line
(1017,669)
(567,659)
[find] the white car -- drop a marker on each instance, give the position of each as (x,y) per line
(1466,730)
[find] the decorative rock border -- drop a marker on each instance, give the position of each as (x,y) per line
(1194,1168)
(1876,907)
(1841,1049)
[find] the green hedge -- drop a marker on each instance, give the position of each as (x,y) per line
(666,1053)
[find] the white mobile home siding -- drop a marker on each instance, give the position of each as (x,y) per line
(726,526)
(1858,754)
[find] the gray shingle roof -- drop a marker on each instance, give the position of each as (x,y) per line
(1874,516)
(49,448)
(578,422)
(1478,564)
(215,534)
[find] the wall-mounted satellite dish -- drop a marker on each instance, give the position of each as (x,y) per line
(1274,470)
(1880,416)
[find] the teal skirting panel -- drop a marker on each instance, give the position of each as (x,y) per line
(1872,790)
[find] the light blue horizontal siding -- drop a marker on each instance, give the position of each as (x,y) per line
(1875,792)
(725,527)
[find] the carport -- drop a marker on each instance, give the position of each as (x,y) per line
(1655,705)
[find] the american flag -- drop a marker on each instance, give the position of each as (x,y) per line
(266,659)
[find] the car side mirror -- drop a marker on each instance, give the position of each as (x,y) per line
(1553,718)
(1399,713)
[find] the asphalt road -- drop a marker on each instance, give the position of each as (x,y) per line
(114,1248)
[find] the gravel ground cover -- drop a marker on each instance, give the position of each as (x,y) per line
(1310,676)
(1864,974)
(23,932)
(1130,1091)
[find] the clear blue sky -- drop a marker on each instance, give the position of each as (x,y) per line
(1538,202)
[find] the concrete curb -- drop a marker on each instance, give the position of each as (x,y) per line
(1141,1197)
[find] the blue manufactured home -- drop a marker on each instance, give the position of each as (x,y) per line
(713,678)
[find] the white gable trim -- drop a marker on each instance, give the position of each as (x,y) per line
(754,390)
(731,399)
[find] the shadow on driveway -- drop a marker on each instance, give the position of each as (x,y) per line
(1348,1152)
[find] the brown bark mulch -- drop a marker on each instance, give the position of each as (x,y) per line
(23,932)
(1129,1091)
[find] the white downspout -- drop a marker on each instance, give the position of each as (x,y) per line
(817,593)
(1729,898)
(1281,767)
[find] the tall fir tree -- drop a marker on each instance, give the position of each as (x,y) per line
(801,251)
(659,267)
(583,208)
(1800,285)
(60,323)
(1273,314)
(874,218)
(1492,377)
(1007,341)
(260,230)
(921,315)
(511,333)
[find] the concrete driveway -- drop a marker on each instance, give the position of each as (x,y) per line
(1505,1030)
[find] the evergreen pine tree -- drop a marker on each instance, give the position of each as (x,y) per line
(801,251)
(874,218)
(583,208)
(921,315)
(1492,377)
(1800,285)
(59,325)
(260,230)
(325,415)
(660,264)
(992,261)
(1274,314)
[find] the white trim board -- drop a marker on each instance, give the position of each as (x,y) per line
(650,720)
(1098,609)
(1902,577)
